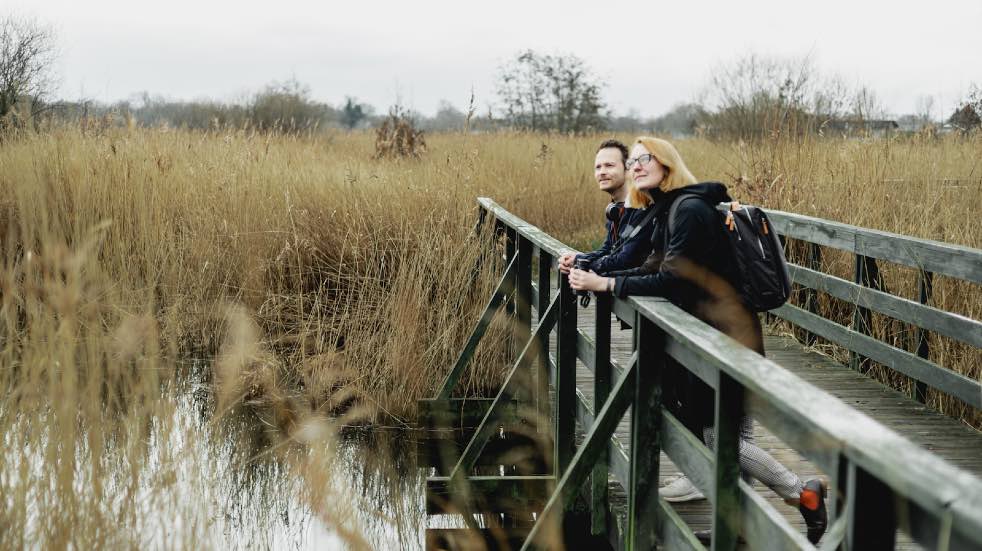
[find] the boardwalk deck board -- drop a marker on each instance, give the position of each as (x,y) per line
(955,442)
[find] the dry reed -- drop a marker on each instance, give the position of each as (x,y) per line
(321,281)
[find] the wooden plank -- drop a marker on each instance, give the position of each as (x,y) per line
(726,506)
(871,507)
(564,409)
(645,437)
(597,441)
(958,327)
(909,470)
(601,390)
(489,423)
(501,291)
(952,260)
(541,239)
(673,532)
(947,381)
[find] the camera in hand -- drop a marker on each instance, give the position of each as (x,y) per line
(583,264)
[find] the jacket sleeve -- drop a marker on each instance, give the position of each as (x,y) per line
(691,239)
(604,249)
(631,254)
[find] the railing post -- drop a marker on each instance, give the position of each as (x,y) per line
(811,295)
(645,436)
(511,237)
(601,389)
(523,293)
(925,282)
(726,508)
(564,411)
(541,397)
(867,275)
(872,522)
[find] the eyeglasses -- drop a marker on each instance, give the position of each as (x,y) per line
(643,159)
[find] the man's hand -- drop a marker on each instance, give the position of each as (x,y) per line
(566,261)
(588,281)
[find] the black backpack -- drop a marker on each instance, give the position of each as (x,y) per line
(763,280)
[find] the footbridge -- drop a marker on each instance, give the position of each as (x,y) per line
(569,454)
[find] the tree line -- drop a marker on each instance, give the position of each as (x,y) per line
(750,97)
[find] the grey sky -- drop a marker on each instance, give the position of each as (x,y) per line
(651,54)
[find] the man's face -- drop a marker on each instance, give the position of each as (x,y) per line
(608,169)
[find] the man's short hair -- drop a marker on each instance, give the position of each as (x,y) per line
(616,144)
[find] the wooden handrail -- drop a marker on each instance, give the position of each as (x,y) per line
(835,436)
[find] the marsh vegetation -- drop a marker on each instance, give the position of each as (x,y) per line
(187,318)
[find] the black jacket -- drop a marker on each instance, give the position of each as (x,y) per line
(626,251)
(611,237)
(677,269)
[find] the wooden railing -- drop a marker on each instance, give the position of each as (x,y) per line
(866,294)
(885,481)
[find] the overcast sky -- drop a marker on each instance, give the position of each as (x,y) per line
(651,55)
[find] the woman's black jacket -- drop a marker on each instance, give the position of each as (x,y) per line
(683,266)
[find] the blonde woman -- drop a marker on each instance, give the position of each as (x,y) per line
(692,265)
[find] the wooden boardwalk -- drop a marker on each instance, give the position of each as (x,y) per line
(893,464)
(950,439)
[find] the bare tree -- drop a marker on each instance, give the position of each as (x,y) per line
(27,55)
(550,92)
(756,96)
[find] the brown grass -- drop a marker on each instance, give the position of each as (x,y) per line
(321,280)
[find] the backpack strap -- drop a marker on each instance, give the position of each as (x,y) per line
(634,231)
(672,210)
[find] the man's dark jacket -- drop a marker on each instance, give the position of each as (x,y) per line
(620,251)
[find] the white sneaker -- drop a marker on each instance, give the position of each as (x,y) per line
(680,489)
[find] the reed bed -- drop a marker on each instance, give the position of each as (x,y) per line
(321,286)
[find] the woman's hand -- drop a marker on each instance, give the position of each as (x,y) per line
(588,281)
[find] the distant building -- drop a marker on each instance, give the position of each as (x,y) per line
(870,127)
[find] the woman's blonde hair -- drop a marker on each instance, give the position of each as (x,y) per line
(677,175)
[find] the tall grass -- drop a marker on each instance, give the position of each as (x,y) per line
(318,280)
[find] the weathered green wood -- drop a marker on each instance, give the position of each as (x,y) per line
(871,505)
(489,494)
(620,463)
(726,507)
(501,291)
(597,441)
(952,260)
(947,381)
(543,240)
(925,284)
(958,327)
(811,295)
(645,437)
(934,484)
(542,300)
(601,389)
(489,423)
(456,412)
(690,359)
(564,409)
(673,532)
(523,291)
(866,275)
(935,487)
(511,236)
(763,527)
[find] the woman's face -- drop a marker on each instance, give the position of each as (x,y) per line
(646,171)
